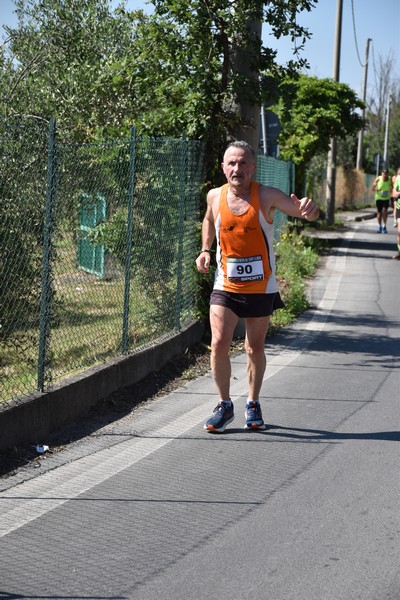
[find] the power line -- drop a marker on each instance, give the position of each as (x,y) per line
(355,34)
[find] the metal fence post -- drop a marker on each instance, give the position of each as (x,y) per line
(46,292)
(182,197)
(128,252)
(292,176)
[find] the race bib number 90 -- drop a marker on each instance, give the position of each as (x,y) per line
(245,269)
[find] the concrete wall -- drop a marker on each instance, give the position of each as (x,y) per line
(31,419)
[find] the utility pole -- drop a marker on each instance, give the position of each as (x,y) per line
(361,132)
(264,130)
(385,149)
(331,169)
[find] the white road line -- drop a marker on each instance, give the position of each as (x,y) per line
(32,499)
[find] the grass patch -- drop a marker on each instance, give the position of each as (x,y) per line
(86,326)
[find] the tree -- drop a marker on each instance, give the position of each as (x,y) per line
(312,111)
(99,72)
(385,87)
(62,54)
(222,53)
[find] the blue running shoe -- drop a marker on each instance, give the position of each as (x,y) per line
(379,230)
(221,417)
(253,416)
(384,230)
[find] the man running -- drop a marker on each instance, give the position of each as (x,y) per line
(240,216)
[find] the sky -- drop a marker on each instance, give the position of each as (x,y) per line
(375,19)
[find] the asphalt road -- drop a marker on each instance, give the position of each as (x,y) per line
(152,507)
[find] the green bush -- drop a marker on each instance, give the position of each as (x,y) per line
(296,259)
(23,160)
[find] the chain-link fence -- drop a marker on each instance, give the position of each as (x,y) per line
(279,174)
(97,250)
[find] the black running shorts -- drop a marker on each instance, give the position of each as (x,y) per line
(248,305)
(380,204)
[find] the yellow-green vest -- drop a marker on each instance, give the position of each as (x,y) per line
(382,191)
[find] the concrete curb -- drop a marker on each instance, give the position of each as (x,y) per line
(31,419)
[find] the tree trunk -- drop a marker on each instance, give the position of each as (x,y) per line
(245,65)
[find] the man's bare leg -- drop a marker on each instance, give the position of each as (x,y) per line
(256,331)
(223,322)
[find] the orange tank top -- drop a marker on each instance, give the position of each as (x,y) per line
(245,257)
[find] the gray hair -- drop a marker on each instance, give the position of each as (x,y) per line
(243,145)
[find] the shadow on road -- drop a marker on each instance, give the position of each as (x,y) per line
(323,435)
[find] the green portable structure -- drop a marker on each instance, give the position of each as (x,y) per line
(93,210)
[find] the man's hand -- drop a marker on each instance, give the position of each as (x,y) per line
(307,208)
(203,262)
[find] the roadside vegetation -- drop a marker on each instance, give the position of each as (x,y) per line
(296,260)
